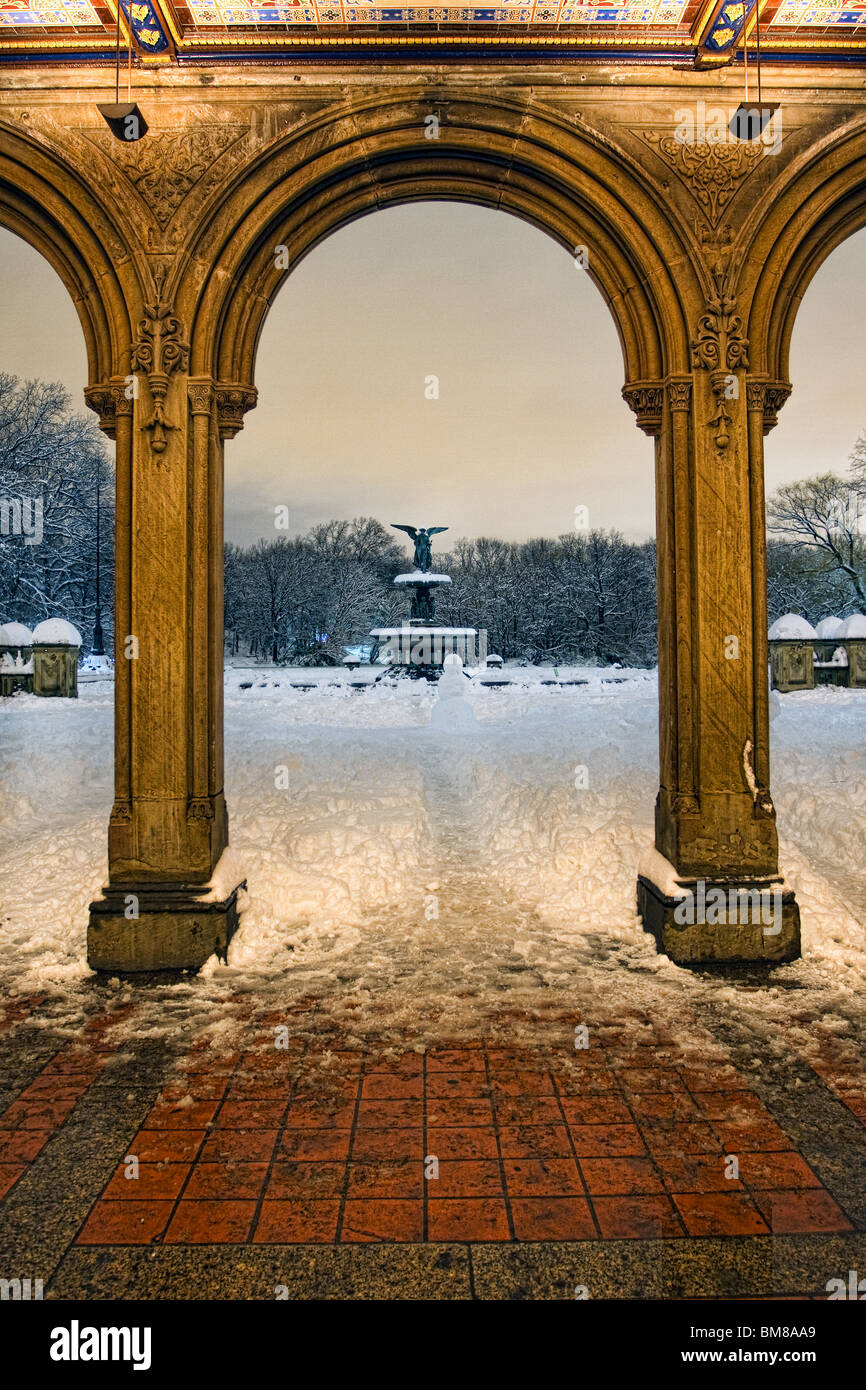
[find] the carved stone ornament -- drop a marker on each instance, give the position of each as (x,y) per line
(711,170)
(199,808)
(159,351)
(679,393)
(233,401)
(775,395)
(721,348)
(646,399)
(109,400)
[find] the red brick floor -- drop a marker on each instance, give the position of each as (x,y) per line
(41,1108)
(628,1139)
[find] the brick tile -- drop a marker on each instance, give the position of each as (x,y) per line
(315,1143)
(22,1143)
(166,1145)
(734,1106)
(251,1114)
(601,1141)
(746,1137)
(467,1178)
(528,1110)
(796,1213)
(456,1085)
(9,1175)
(620,1176)
(521,1083)
(307,1181)
(596,1110)
(650,1080)
(678,1137)
(470,1142)
(696,1173)
(534,1141)
(467,1218)
(721,1078)
(297,1222)
(387,1114)
(542,1177)
(386,1179)
(125,1223)
(552,1218)
(776,1171)
(719,1214)
(371,1144)
(407,1064)
(310,1114)
(672,1105)
(255,1145)
(391,1086)
(210,1223)
(455,1059)
(457,1114)
(155,1181)
(382,1219)
(232,1179)
(198,1085)
(592,1081)
(173,1115)
(38,1113)
(635,1217)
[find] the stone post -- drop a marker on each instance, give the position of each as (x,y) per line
(710,890)
(171,897)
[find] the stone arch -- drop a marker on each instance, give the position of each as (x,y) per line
(822,203)
(529,162)
(44,200)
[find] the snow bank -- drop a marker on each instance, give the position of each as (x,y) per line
(56,632)
(828,627)
(791,627)
(15,635)
(419,887)
(855,626)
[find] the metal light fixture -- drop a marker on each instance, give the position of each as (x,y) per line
(124,119)
(750,122)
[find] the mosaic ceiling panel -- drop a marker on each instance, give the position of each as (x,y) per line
(164,30)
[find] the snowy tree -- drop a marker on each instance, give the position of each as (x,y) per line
(52,462)
(823,515)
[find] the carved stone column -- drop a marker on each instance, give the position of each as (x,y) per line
(171,897)
(711,890)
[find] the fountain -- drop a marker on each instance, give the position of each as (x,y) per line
(418,649)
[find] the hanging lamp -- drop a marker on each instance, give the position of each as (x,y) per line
(750,122)
(124,119)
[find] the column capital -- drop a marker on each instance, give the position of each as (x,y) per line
(646,399)
(109,400)
(679,392)
(200,390)
(233,401)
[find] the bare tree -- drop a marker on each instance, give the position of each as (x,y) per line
(822,514)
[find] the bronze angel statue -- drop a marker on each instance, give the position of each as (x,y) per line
(423,558)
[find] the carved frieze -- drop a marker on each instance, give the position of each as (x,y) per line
(712,170)
(159,351)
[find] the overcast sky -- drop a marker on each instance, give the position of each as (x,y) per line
(529,422)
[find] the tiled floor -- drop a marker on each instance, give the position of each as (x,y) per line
(468,1144)
(634,1139)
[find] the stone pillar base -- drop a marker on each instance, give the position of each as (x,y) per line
(748,928)
(176,928)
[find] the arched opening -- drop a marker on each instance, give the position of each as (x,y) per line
(367,833)
(817,530)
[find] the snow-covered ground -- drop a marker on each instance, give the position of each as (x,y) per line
(426,883)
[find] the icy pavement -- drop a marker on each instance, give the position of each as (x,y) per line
(418,887)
